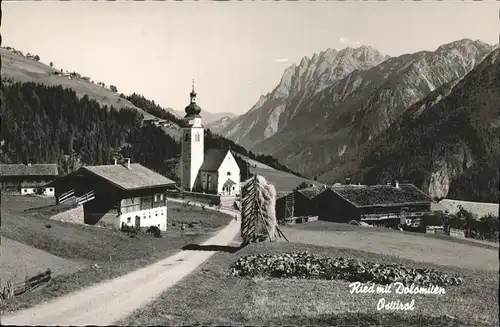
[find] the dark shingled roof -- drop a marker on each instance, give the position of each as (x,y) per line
(311,192)
(213,159)
(362,196)
(280,195)
(136,177)
(31,170)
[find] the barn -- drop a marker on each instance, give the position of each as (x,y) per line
(377,204)
(28,179)
(114,195)
(298,203)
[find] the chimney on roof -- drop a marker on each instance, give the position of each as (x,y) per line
(396,184)
(348,180)
(127,163)
(116,161)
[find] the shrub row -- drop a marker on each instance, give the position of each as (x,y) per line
(303,265)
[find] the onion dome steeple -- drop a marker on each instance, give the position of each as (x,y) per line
(193,109)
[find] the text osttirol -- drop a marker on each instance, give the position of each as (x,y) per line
(395,305)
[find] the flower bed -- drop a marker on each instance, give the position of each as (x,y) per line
(303,265)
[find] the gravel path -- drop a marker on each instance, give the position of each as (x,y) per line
(110,301)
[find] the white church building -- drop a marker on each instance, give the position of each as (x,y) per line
(213,171)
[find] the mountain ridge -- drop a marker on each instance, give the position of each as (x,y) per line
(358,107)
(447,143)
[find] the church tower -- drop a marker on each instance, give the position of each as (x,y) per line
(192,145)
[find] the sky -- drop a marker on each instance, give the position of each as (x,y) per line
(235,51)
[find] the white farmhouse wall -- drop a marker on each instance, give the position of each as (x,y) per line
(229,165)
(149,217)
(47,191)
(27,190)
(50,191)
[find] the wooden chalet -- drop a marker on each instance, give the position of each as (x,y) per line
(28,179)
(114,195)
(378,204)
(298,203)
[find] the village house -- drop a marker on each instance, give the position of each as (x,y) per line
(212,171)
(378,204)
(28,179)
(298,203)
(118,194)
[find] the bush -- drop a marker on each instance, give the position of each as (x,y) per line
(215,202)
(154,231)
(303,265)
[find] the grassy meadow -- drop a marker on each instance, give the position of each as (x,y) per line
(211,295)
(430,248)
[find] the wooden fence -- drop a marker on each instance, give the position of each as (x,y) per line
(210,199)
(11,290)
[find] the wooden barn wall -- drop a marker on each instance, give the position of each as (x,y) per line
(305,206)
(281,207)
(332,207)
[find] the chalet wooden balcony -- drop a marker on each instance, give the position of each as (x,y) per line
(86,197)
(383,216)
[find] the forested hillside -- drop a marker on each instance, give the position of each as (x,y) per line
(447,144)
(42,124)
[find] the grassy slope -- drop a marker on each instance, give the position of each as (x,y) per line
(113,251)
(33,262)
(22,69)
(228,300)
(282,181)
(420,247)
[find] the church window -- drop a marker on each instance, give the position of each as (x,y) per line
(197,137)
(228,173)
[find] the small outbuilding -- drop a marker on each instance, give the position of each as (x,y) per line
(28,179)
(298,203)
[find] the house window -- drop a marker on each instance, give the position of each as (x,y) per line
(156,197)
(51,189)
(197,137)
(161,197)
(209,179)
(233,188)
(228,173)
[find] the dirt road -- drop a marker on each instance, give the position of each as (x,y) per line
(110,301)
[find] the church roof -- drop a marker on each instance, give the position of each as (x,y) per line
(229,182)
(213,159)
(192,110)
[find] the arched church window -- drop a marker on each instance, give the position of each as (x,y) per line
(197,137)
